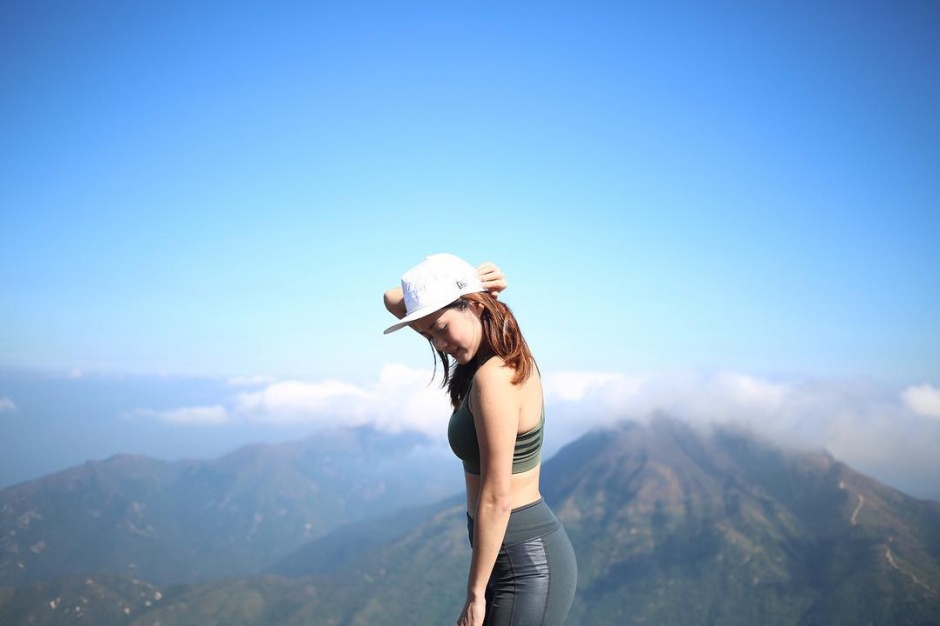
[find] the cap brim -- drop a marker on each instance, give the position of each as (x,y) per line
(414,315)
(427,310)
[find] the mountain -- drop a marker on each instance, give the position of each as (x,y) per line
(355,541)
(671,525)
(195,520)
(675,526)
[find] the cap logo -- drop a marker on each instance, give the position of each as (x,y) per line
(461,284)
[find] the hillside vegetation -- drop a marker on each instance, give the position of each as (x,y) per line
(671,526)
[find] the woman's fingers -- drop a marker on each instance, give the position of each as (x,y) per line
(492,277)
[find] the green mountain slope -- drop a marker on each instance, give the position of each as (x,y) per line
(187,521)
(671,526)
(675,526)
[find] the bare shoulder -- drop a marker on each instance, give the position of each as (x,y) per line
(493,373)
(493,380)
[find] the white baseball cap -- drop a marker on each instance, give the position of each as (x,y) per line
(434,283)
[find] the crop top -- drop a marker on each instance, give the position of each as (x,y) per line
(462,436)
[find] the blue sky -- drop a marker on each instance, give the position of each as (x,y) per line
(196,193)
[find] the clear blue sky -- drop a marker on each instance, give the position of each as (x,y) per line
(212,189)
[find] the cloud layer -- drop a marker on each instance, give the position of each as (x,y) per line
(889,434)
(6,404)
(873,428)
(923,400)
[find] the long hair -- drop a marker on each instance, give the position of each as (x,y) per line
(501,335)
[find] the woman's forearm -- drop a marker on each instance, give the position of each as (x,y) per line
(489,530)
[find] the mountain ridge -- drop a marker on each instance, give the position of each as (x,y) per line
(187,520)
(671,525)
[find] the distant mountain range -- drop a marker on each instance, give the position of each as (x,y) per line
(671,525)
(196,520)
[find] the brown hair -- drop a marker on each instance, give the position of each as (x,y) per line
(502,337)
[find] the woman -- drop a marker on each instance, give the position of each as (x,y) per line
(523,569)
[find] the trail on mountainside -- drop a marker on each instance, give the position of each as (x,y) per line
(894,564)
(861,501)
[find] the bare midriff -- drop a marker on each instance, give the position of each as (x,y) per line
(525,489)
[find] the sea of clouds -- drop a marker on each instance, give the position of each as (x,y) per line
(888,433)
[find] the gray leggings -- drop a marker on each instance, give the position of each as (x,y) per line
(535,575)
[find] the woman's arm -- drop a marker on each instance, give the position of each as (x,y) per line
(395,302)
(496,416)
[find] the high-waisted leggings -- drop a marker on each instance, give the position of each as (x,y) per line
(535,575)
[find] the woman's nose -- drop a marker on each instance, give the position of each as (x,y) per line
(439,343)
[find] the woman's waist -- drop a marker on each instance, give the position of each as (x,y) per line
(523,487)
(526,522)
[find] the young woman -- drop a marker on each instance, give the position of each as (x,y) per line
(523,569)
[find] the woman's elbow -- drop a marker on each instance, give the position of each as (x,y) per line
(394,302)
(497,499)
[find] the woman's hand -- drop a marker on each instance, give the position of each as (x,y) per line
(395,302)
(492,278)
(473,612)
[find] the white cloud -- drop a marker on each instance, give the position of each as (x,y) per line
(407,399)
(747,391)
(869,426)
(860,422)
(573,386)
(251,381)
(583,400)
(923,400)
(295,401)
(6,405)
(401,398)
(196,415)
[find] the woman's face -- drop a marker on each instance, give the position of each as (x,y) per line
(457,332)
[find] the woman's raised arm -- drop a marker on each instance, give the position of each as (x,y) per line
(395,302)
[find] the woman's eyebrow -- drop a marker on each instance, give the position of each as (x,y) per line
(422,331)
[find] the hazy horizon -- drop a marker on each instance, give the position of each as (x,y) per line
(874,428)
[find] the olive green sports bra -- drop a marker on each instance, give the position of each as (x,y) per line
(462,435)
